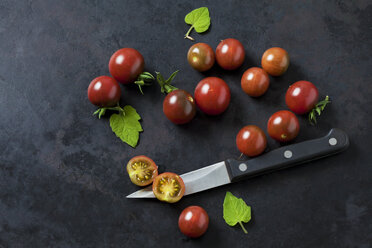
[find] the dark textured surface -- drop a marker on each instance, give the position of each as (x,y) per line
(62,177)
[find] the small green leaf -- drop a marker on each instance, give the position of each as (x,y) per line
(126,125)
(235,211)
(318,111)
(319,107)
(198,19)
(169,80)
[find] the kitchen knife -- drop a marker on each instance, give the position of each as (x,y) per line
(232,170)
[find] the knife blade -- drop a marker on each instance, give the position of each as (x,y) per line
(232,170)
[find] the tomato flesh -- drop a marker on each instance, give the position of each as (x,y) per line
(301,97)
(230,54)
(104,91)
(142,170)
(193,221)
(168,187)
(179,107)
(212,95)
(283,126)
(251,141)
(201,57)
(126,65)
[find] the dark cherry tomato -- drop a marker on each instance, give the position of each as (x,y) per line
(251,140)
(104,91)
(201,57)
(255,82)
(193,221)
(301,97)
(168,187)
(212,95)
(283,126)
(126,64)
(230,54)
(275,61)
(142,170)
(179,107)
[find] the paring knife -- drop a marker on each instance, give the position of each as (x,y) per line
(231,170)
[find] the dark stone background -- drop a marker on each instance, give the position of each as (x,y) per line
(62,177)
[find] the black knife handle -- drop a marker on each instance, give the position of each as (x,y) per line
(334,142)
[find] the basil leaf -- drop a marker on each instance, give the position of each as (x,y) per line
(198,19)
(235,210)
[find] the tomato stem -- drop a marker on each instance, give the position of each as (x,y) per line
(187,36)
(245,230)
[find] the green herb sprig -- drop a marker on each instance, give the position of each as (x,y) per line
(144,79)
(318,109)
(199,20)
(165,85)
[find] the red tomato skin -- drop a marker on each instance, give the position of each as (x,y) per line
(201,57)
(230,54)
(126,65)
(212,95)
(179,107)
(193,221)
(251,141)
(255,82)
(104,91)
(301,97)
(275,61)
(283,126)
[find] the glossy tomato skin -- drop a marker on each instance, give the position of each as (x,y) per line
(301,97)
(212,95)
(179,107)
(104,91)
(168,187)
(126,65)
(255,82)
(251,141)
(142,170)
(283,126)
(201,57)
(275,61)
(193,221)
(230,54)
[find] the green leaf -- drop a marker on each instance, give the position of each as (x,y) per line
(126,125)
(169,80)
(319,107)
(235,210)
(198,19)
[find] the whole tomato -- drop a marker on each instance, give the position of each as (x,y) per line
(230,54)
(212,95)
(179,107)
(251,141)
(255,82)
(283,126)
(104,91)
(275,61)
(126,65)
(193,221)
(301,97)
(201,57)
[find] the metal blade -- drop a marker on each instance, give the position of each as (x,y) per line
(195,181)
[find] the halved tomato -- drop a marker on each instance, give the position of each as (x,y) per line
(168,187)
(142,170)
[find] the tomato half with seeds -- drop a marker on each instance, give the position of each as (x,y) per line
(142,170)
(168,187)
(283,126)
